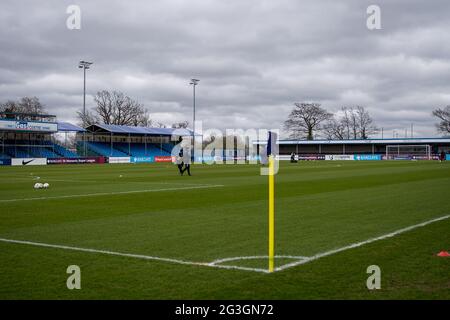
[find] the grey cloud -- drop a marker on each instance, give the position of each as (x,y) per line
(254,58)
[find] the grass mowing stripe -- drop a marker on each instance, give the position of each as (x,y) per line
(217,263)
(130,255)
(113,193)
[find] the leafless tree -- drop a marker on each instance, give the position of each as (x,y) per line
(88,119)
(335,129)
(444,116)
(305,119)
(356,123)
(346,120)
(143,119)
(160,125)
(30,105)
(116,108)
(180,125)
(350,123)
(364,123)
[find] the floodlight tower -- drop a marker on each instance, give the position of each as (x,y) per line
(84,65)
(194,82)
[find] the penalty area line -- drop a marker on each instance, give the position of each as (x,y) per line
(359,244)
(113,193)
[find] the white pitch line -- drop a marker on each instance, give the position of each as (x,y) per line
(214,264)
(130,255)
(113,193)
(359,244)
(219,261)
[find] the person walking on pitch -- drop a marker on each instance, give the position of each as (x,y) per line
(186,160)
(179,161)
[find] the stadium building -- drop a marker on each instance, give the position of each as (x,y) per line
(26,135)
(143,143)
(33,139)
(368,149)
(34,136)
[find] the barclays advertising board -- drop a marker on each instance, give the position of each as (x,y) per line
(368,157)
(142,159)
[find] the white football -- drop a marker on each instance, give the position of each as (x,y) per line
(38,185)
(46,185)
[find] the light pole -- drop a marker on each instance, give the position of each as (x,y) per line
(84,65)
(193,82)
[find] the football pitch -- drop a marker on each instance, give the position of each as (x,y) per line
(145,232)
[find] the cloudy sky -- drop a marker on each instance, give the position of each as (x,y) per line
(254,58)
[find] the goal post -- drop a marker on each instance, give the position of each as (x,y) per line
(408,152)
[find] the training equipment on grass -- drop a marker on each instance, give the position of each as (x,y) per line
(408,152)
(46,185)
(38,185)
(443,254)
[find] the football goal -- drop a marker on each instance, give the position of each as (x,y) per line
(408,152)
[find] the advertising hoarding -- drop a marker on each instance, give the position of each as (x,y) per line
(340,157)
(5,162)
(119,160)
(22,125)
(164,159)
(76,160)
(142,159)
(29,161)
(367,157)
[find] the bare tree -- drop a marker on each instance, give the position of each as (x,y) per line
(349,120)
(335,129)
(350,123)
(143,119)
(116,108)
(305,119)
(30,105)
(355,123)
(160,125)
(9,106)
(444,116)
(88,119)
(105,106)
(364,123)
(180,125)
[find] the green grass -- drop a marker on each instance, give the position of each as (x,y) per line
(320,206)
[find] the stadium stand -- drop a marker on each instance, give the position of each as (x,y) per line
(104,149)
(140,150)
(24,135)
(121,149)
(125,141)
(64,152)
(35,149)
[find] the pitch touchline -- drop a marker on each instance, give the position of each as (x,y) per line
(216,263)
(114,193)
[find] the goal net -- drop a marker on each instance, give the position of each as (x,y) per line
(408,152)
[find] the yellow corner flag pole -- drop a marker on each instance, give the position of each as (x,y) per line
(271,214)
